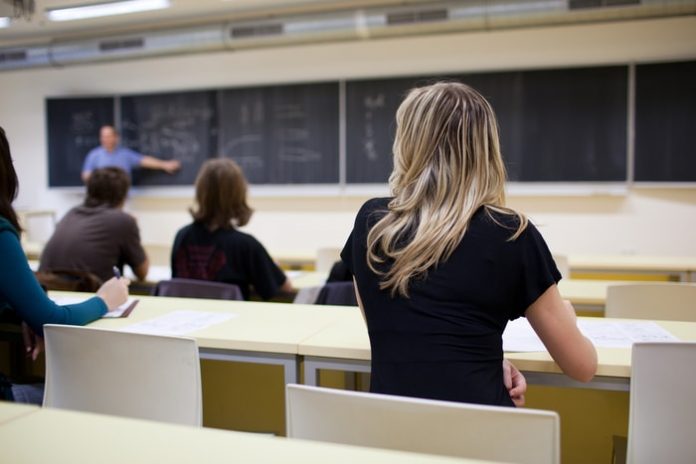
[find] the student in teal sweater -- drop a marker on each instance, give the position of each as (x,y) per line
(20,292)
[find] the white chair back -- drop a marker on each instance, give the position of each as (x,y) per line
(123,374)
(423,426)
(656,300)
(662,414)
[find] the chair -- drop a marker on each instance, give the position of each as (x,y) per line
(424,426)
(337,293)
(69,280)
(123,374)
(662,413)
(662,301)
(192,288)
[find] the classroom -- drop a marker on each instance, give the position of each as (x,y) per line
(621,214)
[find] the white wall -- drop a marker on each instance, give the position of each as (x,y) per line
(641,221)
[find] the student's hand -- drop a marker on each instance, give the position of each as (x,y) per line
(114,292)
(171,166)
(33,344)
(515,383)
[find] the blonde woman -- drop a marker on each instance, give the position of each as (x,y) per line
(442,265)
(213,248)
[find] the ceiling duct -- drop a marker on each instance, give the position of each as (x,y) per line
(426,18)
(190,40)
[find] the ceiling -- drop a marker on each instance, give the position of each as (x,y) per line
(37,29)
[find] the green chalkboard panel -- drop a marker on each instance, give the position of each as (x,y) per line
(73,130)
(282,134)
(181,125)
(666,122)
(555,125)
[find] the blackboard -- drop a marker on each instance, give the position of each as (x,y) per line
(73,130)
(555,125)
(371,124)
(282,134)
(180,126)
(666,122)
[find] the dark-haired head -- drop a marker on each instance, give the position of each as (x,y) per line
(221,195)
(108,187)
(8,182)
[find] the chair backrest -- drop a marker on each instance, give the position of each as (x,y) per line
(71,280)
(337,293)
(562,264)
(662,414)
(192,288)
(424,426)
(124,374)
(662,301)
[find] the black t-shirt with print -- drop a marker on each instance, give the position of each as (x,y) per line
(226,255)
(445,340)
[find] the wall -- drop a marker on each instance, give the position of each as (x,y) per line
(643,221)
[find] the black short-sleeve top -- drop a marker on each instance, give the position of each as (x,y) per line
(225,255)
(445,340)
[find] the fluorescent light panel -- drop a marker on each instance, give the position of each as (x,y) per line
(4,21)
(105,9)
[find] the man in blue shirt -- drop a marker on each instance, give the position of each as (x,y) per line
(110,153)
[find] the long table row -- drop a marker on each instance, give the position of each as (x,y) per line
(335,337)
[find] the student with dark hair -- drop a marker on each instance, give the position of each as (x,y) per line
(98,235)
(443,264)
(110,154)
(21,294)
(212,247)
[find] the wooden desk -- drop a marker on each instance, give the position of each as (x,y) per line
(345,346)
(585,294)
(682,268)
(49,435)
(263,333)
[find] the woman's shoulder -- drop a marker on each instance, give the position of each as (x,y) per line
(6,225)
(374,207)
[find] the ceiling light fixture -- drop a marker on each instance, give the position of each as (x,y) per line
(105,9)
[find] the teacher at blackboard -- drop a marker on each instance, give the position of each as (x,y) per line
(110,153)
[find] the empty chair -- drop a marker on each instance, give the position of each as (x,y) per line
(425,426)
(662,414)
(192,288)
(124,374)
(662,301)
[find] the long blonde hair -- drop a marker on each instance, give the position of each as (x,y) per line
(447,164)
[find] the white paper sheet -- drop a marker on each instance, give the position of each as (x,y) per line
(179,323)
(519,335)
(118,312)
(623,334)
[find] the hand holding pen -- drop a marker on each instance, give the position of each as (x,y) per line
(114,291)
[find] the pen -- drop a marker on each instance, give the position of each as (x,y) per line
(117,273)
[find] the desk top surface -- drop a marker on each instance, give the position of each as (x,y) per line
(643,263)
(48,435)
(263,327)
(347,338)
(10,411)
